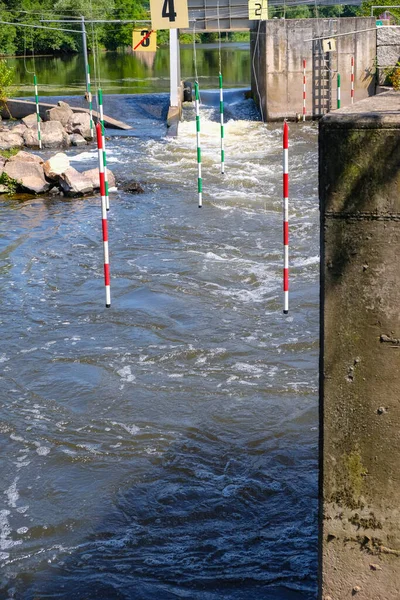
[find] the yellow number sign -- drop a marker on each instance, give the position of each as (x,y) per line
(329,45)
(144,40)
(169,14)
(258,10)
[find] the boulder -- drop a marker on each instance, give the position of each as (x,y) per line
(52,136)
(8,140)
(61,113)
(29,175)
(80,123)
(56,166)
(30,120)
(26,157)
(74,183)
(30,138)
(93,175)
(20,129)
(132,187)
(77,140)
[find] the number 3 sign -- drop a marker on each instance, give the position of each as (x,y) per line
(258,10)
(169,14)
(144,40)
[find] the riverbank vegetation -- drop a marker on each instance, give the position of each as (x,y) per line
(17,40)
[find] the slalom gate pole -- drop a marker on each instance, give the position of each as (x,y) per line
(199,178)
(100,96)
(338,90)
(352,80)
(99,135)
(304,89)
(221,112)
(90,100)
(285,218)
(37,112)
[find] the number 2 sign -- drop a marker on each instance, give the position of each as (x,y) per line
(169,14)
(258,10)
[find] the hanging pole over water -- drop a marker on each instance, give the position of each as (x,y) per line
(338,90)
(352,80)
(304,89)
(285,218)
(199,178)
(37,111)
(221,112)
(87,74)
(99,135)
(100,97)
(90,100)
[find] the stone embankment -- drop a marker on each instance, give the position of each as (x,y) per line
(27,172)
(62,128)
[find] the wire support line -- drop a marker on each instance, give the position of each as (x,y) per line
(39,27)
(335,35)
(122,21)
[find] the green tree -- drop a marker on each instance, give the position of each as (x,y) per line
(119,35)
(365,9)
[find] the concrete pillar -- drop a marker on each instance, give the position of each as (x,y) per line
(175,101)
(278,48)
(174,68)
(359,174)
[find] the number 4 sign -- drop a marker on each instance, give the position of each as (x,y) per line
(169,14)
(258,10)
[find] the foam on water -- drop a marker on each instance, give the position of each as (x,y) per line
(170,436)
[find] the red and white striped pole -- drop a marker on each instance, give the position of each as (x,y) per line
(352,80)
(285,218)
(304,89)
(103,213)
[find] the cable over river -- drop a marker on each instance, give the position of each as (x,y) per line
(165,447)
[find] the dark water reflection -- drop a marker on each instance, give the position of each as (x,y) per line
(133,73)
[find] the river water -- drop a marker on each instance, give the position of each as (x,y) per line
(165,447)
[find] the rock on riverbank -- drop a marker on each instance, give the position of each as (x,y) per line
(62,128)
(26,172)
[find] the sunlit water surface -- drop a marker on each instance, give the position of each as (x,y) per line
(165,447)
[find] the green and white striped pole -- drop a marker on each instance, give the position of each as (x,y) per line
(37,111)
(100,96)
(90,102)
(221,112)
(338,90)
(199,179)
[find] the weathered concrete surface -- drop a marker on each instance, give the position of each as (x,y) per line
(173,118)
(387,50)
(279,48)
(359,171)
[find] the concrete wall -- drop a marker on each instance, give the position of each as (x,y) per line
(278,49)
(359,184)
(387,50)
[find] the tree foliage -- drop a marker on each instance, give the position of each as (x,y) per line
(112,36)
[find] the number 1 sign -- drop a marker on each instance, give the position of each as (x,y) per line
(169,14)
(258,10)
